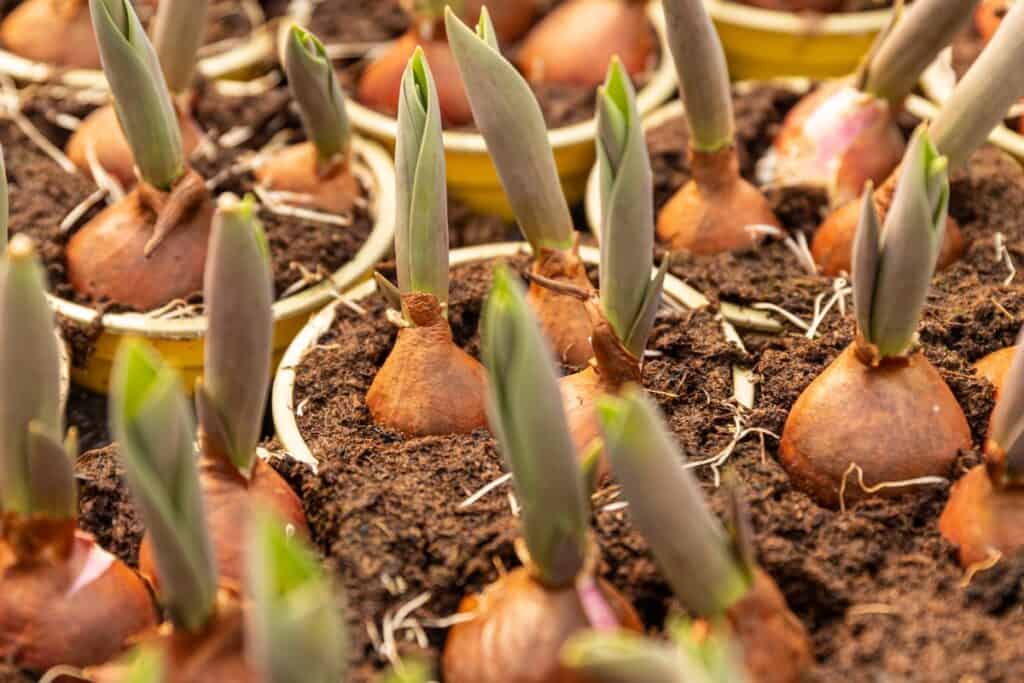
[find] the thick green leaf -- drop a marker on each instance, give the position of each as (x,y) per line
(527,416)
(178,33)
(315,88)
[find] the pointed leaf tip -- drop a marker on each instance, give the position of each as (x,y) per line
(321,103)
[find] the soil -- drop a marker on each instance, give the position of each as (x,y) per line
(372,22)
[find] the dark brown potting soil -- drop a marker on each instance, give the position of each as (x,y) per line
(87,413)
(562,104)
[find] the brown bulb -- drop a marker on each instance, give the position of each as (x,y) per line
(897,421)
(776,647)
(839,138)
(107,258)
(995,365)
(518,630)
(102,132)
(57,32)
(712,212)
(988,16)
(574,44)
(983,518)
(511,18)
(381,83)
(78,606)
(563,318)
(296,169)
(228,500)
(832,246)
(428,385)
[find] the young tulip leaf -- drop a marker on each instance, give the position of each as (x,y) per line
(31,412)
(51,475)
(239,294)
(866,246)
(620,657)
(508,116)
(415,672)
(910,244)
(294,626)
(315,88)
(146,665)
(703,74)
(914,41)
(629,297)
(667,506)
(981,99)
(527,416)
(421,233)
(177,36)
(141,99)
(150,418)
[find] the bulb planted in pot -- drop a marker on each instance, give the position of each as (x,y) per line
(712,573)
(984,517)
(845,133)
(573,44)
(845,419)
(380,84)
(318,170)
(63,599)
(427,385)
(289,619)
(521,621)
(177,36)
(695,655)
(509,117)
(148,248)
(978,104)
(712,213)
(232,395)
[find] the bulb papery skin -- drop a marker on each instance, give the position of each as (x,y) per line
(295,169)
(576,41)
(216,654)
(839,138)
(563,319)
(995,365)
(897,421)
(428,385)
(983,518)
(229,498)
(519,630)
(988,16)
(832,246)
(76,608)
(57,33)
(775,644)
(381,83)
(107,262)
(101,131)
(712,212)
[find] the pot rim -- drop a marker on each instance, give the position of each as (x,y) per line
(777,21)
(384,207)
(282,396)
(918,106)
(660,88)
(259,44)
(938,82)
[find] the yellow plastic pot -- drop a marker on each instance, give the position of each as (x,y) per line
(762,43)
(181,341)
(938,82)
(472,177)
(283,398)
(241,61)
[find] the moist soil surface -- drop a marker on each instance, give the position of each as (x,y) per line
(876,585)
(368,23)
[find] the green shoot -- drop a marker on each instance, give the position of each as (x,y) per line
(315,88)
